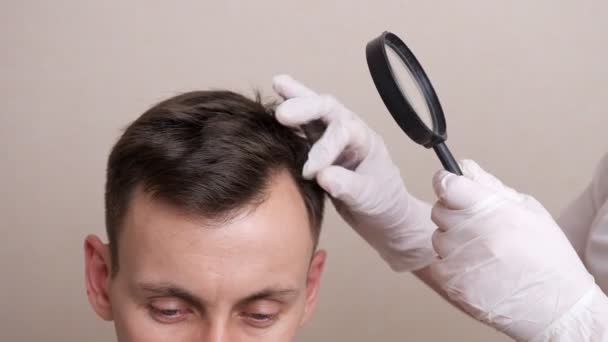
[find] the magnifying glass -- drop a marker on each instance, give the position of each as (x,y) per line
(409,96)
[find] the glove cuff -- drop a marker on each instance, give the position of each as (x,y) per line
(587,320)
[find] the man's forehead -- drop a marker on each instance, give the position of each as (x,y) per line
(274,235)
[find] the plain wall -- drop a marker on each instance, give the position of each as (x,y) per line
(522,83)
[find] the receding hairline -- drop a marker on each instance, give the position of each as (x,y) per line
(217,220)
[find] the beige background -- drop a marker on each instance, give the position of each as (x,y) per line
(523,84)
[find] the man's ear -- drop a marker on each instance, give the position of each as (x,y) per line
(313,284)
(97,275)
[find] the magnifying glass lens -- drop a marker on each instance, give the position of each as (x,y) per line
(409,87)
(408,95)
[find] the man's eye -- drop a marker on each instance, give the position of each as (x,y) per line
(168,315)
(168,312)
(259,320)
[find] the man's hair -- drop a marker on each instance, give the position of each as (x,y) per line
(210,153)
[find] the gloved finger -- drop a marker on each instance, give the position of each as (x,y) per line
(458,192)
(342,184)
(301,110)
(287,87)
(442,245)
(473,171)
(450,235)
(456,230)
(340,136)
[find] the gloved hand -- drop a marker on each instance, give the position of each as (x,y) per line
(504,260)
(351,162)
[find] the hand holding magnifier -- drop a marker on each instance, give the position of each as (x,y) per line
(409,96)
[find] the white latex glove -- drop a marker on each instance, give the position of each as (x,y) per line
(504,260)
(585,222)
(351,162)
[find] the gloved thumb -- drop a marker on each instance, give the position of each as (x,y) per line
(458,192)
(460,199)
(342,184)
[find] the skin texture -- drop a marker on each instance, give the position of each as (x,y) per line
(183,278)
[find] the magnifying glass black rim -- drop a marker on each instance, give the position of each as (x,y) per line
(393,97)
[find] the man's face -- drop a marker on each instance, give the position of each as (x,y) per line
(183,278)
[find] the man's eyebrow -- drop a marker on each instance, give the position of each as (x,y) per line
(271,293)
(171,290)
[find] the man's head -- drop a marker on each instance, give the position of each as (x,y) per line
(212,231)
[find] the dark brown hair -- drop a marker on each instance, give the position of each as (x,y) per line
(209,153)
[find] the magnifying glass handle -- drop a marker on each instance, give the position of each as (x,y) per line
(447,159)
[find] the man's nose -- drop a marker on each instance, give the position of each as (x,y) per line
(215,332)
